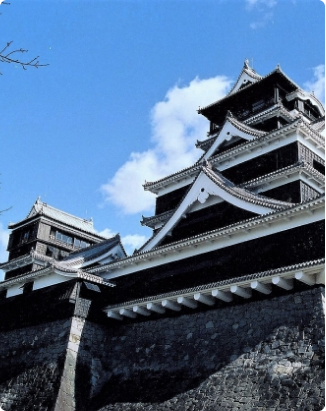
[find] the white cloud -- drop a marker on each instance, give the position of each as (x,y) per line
(4,236)
(175,128)
(317,84)
(133,241)
(264,10)
(261,3)
(266,18)
(107,232)
(130,242)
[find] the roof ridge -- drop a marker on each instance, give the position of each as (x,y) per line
(116,237)
(249,71)
(277,69)
(44,206)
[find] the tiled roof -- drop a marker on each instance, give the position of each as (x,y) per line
(298,122)
(276,109)
(244,127)
(241,126)
(250,72)
(89,253)
(277,70)
(55,265)
(230,281)
(248,224)
(43,209)
(244,194)
(318,125)
(235,191)
(195,169)
(300,165)
(151,221)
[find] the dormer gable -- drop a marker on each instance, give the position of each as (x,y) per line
(209,183)
(233,132)
(246,77)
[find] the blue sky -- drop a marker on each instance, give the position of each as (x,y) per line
(117,104)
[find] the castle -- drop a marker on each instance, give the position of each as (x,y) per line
(221,309)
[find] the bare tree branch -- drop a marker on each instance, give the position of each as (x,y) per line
(7,56)
(10,57)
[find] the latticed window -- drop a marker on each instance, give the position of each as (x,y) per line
(63,237)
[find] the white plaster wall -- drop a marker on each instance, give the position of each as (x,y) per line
(14,290)
(49,280)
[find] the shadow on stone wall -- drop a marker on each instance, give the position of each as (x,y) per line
(263,355)
(146,387)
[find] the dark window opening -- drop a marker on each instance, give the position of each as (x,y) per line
(207,219)
(23,250)
(264,164)
(22,236)
(18,271)
(318,166)
(170,200)
(3,294)
(288,192)
(49,251)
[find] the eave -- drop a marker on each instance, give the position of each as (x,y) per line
(303,95)
(91,234)
(243,152)
(261,226)
(217,110)
(309,273)
(246,75)
(207,184)
(230,129)
(301,170)
(56,269)
(273,111)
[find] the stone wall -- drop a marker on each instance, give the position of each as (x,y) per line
(259,355)
(34,334)
(31,365)
(264,355)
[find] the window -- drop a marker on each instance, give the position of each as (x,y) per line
(25,236)
(76,242)
(84,244)
(72,241)
(319,166)
(63,237)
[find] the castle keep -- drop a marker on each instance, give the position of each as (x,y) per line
(221,309)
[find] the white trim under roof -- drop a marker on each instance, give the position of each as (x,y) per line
(243,231)
(45,277)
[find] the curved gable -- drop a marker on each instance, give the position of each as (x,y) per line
(209,184)
(232,130)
